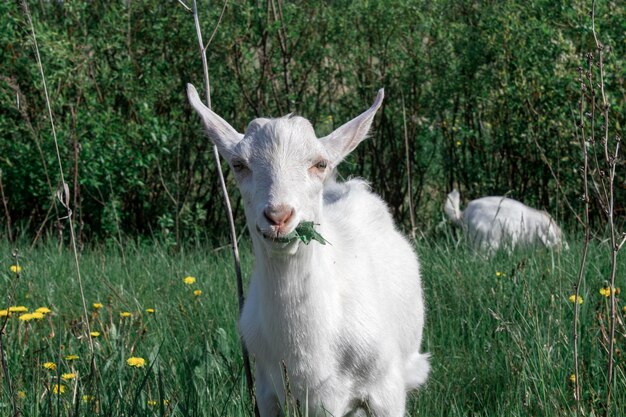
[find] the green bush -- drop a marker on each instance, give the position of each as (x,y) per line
(489,90)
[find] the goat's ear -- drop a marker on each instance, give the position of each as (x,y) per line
(345,138)
(219,131)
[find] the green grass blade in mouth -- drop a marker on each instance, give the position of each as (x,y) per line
(305,231)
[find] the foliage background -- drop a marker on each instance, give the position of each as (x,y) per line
(489,91)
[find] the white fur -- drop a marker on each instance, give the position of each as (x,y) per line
(345,318)
(495,222)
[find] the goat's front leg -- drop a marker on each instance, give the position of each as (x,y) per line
(266,398)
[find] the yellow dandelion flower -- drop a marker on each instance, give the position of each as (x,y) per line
(58,389)
(43,310)
(624,309)
(88,398)
(94,334)
(150,310)
(21,395)
(189,280)
(500,274)
(458,143)
(4,313)
(31,316)
(68,376)
(125,314)
(51,366)
(97,306)
(606,291)
(572,378)
(136,362)
(26,317)
(71,357)
(197,293)
(572,299)
(18,309)
(16,269)
(152,403)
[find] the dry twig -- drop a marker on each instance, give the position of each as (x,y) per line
(229,212)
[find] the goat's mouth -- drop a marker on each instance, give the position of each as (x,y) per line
(305,231)
(275,237)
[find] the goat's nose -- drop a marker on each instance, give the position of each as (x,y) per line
(278,215)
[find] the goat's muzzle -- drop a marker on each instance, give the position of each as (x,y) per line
(279,216)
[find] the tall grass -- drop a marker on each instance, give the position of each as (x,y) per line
(499,331)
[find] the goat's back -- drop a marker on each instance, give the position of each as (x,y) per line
(492,221)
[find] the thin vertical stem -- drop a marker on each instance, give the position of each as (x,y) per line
(610,159)
(229,212)
(408,170)
(63,183)
(581,270)
(6,209)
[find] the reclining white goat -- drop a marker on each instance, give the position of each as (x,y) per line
(495,222)
(345,318)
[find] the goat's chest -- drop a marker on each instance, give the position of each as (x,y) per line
(292,328)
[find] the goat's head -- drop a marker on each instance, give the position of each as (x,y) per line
(281,166)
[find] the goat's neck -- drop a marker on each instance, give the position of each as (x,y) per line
(288,269)
(294,280)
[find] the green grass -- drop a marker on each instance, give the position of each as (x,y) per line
(499,330)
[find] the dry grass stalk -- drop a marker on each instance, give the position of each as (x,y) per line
(63,183)
(229,212)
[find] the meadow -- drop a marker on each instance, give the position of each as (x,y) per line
(493,98)
(163,328)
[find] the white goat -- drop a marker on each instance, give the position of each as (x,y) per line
(344,318)
(494,222)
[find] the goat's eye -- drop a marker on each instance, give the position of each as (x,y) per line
(239,166)
(321,165)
